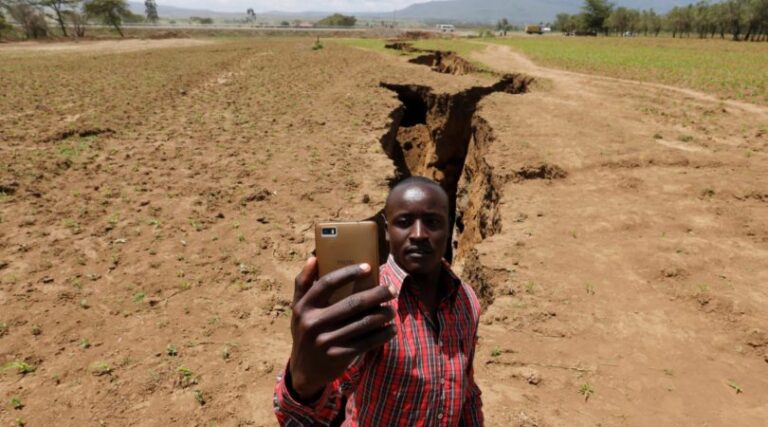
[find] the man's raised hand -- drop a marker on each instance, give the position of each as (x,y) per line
(327,338)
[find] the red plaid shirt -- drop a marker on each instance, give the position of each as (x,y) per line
(422,377)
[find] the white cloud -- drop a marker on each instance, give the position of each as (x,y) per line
(292,5)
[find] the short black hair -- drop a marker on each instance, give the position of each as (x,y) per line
(418,180)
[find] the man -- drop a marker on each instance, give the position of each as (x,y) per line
(400,354)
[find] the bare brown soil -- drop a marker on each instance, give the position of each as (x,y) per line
(106,46)
(152,220)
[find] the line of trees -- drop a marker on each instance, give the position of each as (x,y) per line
(740,19)
(70,16)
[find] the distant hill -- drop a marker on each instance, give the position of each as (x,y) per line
(180,12)
(477,11)
(516,11)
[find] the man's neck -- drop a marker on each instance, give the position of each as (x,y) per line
(429,289)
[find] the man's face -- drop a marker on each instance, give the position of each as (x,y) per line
(417,217)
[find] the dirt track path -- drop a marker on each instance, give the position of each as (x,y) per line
(642,274)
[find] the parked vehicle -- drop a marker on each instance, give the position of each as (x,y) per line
(446,28)
(533,29)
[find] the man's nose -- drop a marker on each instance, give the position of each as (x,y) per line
(418,231)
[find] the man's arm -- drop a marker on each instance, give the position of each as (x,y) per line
(472,410)
(322,409)
(328,341)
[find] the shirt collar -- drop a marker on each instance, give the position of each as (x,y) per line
(449,279)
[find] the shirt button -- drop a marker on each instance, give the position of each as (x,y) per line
(440,416)
(442,380)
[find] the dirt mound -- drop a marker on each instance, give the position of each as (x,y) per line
(82,133)
(403,46)
(445,62)
(168,35)
(418,35)
(542,171)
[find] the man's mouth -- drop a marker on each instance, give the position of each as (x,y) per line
(418,252)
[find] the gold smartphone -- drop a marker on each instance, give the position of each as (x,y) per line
(339,244)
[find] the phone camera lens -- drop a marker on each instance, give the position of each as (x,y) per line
(329,232)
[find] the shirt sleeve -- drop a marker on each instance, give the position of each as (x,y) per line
(472,410)
(291,412)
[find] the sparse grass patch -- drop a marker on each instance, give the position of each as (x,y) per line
(20,366)
(199,397)
(171,350)
(72,150)
(138,297)
(530,287)
(16,403)
(186,377)
(735,387)
(590,288)
(586,390)
(101,368)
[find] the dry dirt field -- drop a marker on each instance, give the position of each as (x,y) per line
(155,205)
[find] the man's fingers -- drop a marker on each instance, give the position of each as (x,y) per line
(324,287)
(372,321)
(364,344)
(355,304)
(305,279)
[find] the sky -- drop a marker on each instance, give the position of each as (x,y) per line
(292,5)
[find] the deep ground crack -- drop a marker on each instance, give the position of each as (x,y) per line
(440,136)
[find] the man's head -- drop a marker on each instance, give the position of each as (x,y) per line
(418,225)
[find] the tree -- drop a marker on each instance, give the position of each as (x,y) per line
(561,22)
(30,17)
(77,20)
(4,26)
(680,20)
(111,12)
(201,20)
(251,14)
(595,14)
(756,19)
(338,20)
(150,9)
(503,25)
(734,16)
(59,8)
(623,20)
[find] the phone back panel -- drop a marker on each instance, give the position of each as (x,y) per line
(348,243)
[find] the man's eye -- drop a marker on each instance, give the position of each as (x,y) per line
(433,223)
(403,222)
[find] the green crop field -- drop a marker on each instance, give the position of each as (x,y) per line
(732,70)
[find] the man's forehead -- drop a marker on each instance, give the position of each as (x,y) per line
(418,195)
(414,194)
